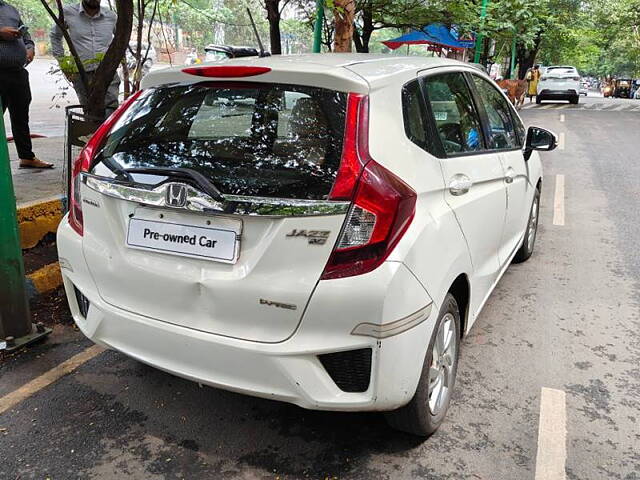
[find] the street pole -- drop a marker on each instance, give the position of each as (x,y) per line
(176,29)
(16,329)
(14,308)
(317,29)
(479,37)
(513,56)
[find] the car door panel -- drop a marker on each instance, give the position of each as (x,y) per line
(504,136)
(474,178)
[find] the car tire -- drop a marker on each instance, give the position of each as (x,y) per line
(424,414)
(574,100)
(538,99)
(526,249)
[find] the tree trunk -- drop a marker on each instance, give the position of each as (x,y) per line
(344,13)
(526,58)
(361,39)
(109,65)
(357,40)
(273,16)
(367,26)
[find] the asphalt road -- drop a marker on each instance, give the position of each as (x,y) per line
(567,320)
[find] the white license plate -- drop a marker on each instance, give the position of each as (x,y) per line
(217,244)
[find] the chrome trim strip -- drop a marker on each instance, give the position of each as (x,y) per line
(198,201)
(385,330)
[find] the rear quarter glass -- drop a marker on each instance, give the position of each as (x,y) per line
(258,139)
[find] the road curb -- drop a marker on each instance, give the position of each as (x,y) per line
(44,280)
(37,219)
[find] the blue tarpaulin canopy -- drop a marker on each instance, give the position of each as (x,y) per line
(433,34)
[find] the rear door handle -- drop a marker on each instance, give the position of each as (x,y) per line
(459,184)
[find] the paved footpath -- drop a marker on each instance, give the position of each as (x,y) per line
(31,185)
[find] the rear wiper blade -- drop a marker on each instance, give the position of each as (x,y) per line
(184,173)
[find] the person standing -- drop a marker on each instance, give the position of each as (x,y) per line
(91,28)
(16,51)
(532,77)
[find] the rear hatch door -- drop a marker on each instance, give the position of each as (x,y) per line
(207,206)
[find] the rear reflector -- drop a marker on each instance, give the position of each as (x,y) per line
(226,71)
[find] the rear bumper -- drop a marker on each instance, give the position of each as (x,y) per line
(288,371)
(560,94)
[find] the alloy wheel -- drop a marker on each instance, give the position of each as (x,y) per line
(442,367)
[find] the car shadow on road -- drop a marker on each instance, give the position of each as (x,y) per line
(206,430)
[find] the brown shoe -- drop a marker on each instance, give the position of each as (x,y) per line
(34,163)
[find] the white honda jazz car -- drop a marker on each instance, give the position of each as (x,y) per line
(316,229)
(559,83)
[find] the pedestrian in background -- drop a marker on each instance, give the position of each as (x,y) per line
(533,76)
(16,51)
(91,28)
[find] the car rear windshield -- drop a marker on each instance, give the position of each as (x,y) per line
(269,140)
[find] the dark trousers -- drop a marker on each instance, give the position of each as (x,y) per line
(16,96)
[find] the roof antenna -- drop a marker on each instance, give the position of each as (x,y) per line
(255,31)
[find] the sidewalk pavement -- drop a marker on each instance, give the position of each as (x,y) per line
(33,185)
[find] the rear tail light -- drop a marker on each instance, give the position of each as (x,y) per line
(226,71)
(84,160)
(382,205)
(577,79)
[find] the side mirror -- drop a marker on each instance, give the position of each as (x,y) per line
(539,139)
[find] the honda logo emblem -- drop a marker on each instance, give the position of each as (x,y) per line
(176,195)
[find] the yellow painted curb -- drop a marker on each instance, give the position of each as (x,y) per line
(37,219)
(46,278)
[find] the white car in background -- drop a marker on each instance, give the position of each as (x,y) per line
(318,229)
(559,83)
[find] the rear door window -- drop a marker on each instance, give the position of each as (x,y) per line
(456,118)
(271,140)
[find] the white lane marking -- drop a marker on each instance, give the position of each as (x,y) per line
(552,436)
(562,117)
(47,378)
(561,140)
(547,106)
(558,201)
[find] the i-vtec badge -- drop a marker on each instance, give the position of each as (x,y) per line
(315,237)
(287,306)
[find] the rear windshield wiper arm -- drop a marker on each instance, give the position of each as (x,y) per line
(184,173)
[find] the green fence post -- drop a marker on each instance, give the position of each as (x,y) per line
(317,29)
(14,307)
(513,56)
(479,36)
(15,320)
